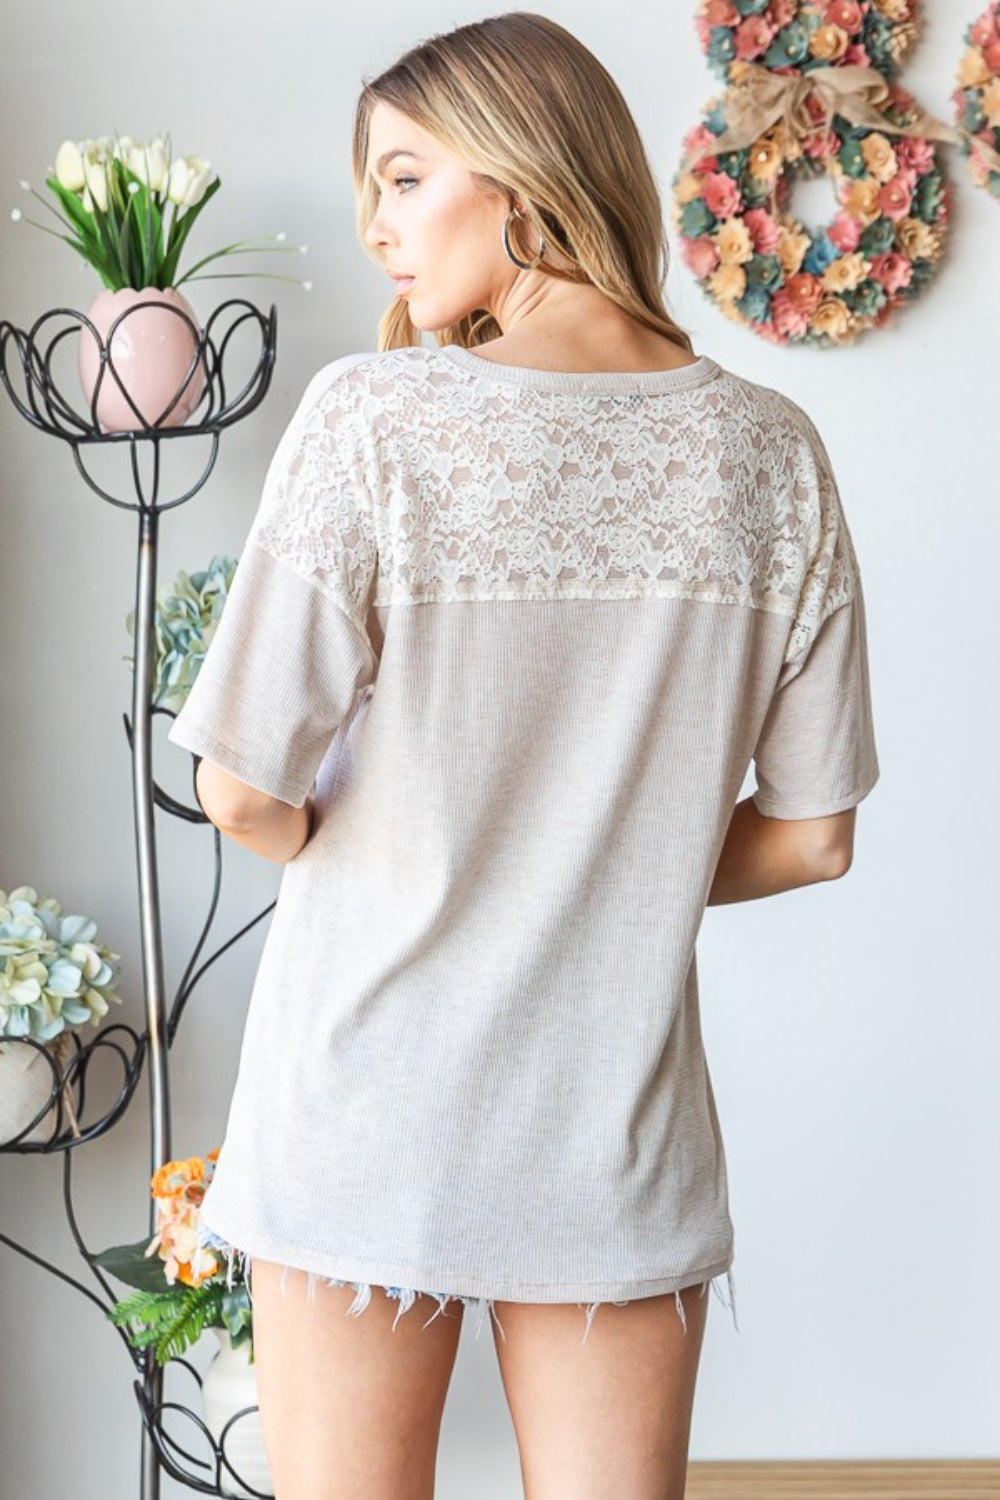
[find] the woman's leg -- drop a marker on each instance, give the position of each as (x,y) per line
(610,1415)
(349,1406)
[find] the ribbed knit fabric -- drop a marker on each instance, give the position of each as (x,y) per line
(525,631)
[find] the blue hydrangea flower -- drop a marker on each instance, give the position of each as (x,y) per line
(52,973)
(185,620)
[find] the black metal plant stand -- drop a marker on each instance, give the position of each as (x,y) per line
(236,333)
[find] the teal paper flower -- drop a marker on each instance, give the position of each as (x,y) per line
(790,45)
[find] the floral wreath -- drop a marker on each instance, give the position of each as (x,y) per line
(815,101)
(977,99)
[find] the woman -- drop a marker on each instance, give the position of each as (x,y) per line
(515,613)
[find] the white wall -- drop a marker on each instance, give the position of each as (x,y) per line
(851,1028)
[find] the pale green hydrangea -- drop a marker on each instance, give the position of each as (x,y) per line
(184,621)
(52,973)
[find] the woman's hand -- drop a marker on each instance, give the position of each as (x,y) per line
(259,822)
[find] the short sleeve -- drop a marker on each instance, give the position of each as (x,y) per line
(291,650)
(816,752)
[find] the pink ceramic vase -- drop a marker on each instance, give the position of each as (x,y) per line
(151,354)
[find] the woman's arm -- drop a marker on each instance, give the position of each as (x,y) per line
(763,856)
(250,817)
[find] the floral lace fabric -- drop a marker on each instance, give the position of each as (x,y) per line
(410,479)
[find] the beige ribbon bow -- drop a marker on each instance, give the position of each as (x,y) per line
(758,97)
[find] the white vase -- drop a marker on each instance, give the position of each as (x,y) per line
(26,1082)
(229,1385)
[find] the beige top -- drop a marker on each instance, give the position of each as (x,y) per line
(526,630)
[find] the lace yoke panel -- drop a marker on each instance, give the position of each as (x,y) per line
(412,480)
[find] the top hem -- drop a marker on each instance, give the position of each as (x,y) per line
(794,811)
(457,1284)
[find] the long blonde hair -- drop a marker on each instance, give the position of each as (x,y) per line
(526,106)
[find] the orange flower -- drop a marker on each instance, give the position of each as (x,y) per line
(171,1177)
(179,1188)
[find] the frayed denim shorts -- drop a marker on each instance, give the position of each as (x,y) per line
(407,1296)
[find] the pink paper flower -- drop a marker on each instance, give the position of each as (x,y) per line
(985,30)
(721,13)
(914,153)
(701,255)
(855,56)
(891,270)
(781,12)
(846,14)
(790,321)
(845,231)
(896,196)
(820,146)
(991,55)
(721,194)
(815,109)
(804,291)
(765,231)
(753,37)
(699,139)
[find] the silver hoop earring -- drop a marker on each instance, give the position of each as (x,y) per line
(525,265)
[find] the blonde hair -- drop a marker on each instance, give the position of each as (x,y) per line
(530,110)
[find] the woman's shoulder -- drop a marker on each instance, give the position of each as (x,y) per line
(748,397)
(368,370)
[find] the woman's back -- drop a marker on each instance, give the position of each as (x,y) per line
(548,619)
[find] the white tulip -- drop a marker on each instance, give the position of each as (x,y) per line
(122,147)
(150,164)
(190,178)
(96,177)
(69,167)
